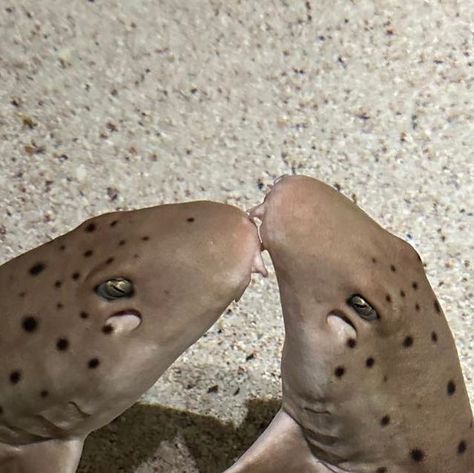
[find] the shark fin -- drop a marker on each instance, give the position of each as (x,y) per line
(281,448)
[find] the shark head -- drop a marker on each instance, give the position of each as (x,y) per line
(371,377)
(92,319)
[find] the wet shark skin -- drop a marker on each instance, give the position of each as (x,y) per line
(381,396)
(71,361)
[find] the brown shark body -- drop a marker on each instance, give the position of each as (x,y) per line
(371,377)
(91,320)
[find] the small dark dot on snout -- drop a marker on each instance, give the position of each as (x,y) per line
(351,342)
(1,410)
(437,307)
(408,342)
(402,293)
(414,285)
(462,447)
(59,306)
(388,298)
(93,363)
(92,227)
(88,253)
(393,268)
(29,324)
(417,307)
(381,469)
(109,260)
(369,362)
(107,329)
(58,284)
(385,421)
(451,388)
(44,393)
(417,455)
(37,269)
(15,377)
(122,242)
(190,219)
(76,275)
(62,344)
(434,337)
(339,371)
(113,223)
(84,315)
(145,238)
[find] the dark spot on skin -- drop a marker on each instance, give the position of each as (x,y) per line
(110,260)
(112,224)
(385,379)
(91,228)
(351,343)
(84,315)
(381,469)
(15,377)
(37,268)
(29,324)
(437,307)
(369,362)
(22,294)
(393,268)
(434,337)
(408,342)
(417,455)
(62,344)
(62,247)
(107,329)
(417,307)
(93,363)
(339,371)
(59,306)
(88,253)
(76,276)
(58,284)
(385,421)
(190,219)
(414,285)
(388,298)
(451,388)
(462,447)
(374,260)
(122,242)
(1,410)
(402,293)
(145,238)
(44,393)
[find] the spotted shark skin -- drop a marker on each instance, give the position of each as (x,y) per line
(71,360)
(384,395)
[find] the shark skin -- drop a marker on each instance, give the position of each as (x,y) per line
(371,378)
(92,319)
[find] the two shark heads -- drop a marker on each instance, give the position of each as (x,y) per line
(371,378)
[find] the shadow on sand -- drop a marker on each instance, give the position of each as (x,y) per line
(135,436)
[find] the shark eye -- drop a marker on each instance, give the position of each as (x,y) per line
(362,307)
(115,289)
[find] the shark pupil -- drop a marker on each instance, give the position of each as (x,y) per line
(362,307)
(115,288)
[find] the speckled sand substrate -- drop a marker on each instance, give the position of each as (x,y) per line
(122,104)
